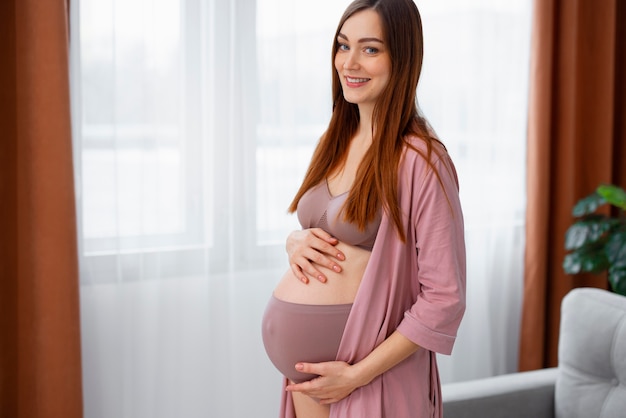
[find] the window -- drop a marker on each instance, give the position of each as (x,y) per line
(194,123)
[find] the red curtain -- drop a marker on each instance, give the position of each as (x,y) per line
(40,361)
(576,140)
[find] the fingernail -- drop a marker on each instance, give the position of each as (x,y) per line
(304,280)
(340,256)
(321,278)
(299,366)
(336,268)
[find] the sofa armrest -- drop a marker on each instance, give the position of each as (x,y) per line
(524,394)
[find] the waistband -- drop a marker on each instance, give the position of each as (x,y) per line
(310,309)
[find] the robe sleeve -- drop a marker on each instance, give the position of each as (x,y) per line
(438,232)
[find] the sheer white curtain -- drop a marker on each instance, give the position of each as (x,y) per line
(474,92)
(194,122)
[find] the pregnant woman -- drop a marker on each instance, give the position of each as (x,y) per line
(377,279)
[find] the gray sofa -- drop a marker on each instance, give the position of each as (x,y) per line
(590,380)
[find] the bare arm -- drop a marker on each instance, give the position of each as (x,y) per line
(310,247)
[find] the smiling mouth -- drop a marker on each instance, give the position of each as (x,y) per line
(352,80)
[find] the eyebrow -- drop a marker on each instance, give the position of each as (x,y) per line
(362,40)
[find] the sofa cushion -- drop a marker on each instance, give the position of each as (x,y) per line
(514,395)
(592,355)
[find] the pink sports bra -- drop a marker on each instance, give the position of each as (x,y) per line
(317,208)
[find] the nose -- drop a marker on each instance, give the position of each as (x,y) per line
(350,61)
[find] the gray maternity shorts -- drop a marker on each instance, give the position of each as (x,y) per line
(294,332)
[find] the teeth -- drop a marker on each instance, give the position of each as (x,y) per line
(356,80)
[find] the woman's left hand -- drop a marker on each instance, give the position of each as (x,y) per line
(336,380)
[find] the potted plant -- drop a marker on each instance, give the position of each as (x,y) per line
(597,242)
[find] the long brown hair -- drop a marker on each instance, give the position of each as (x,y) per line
(395,116)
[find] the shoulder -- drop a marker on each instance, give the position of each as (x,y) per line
(417,152)
(422,166)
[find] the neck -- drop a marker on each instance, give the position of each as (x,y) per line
(365,123)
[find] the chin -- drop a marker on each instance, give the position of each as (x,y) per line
(351,99)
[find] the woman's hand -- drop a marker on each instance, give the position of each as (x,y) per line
(336,380)
(310,247)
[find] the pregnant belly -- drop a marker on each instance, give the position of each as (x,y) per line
(339,289)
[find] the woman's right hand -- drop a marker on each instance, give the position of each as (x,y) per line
(309,248)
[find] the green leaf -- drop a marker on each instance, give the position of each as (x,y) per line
(591,260)
(614,195)
(617,279)
(588,204)
(616,249)
(572,264)
(587,231)
(595,262)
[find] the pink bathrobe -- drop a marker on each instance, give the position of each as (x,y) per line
(417,288)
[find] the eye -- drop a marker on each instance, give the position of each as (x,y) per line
(370,50)
(343,47)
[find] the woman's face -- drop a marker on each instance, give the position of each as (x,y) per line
(362,61)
